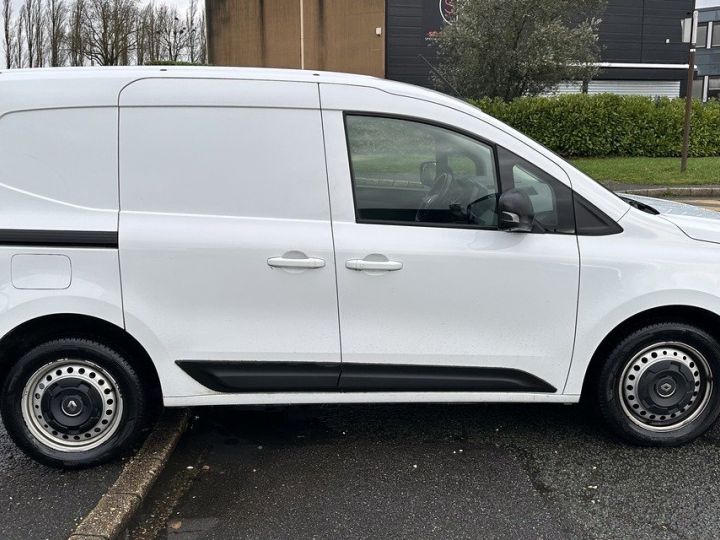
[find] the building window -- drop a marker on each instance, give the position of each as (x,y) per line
(713,88)
(716,35)
(697,88)
(702,31)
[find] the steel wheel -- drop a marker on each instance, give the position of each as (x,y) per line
(665,386)
(72,405)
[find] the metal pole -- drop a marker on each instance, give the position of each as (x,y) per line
(302,34)
(688,94)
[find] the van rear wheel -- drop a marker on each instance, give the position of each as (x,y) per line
(659,385)
(73,403)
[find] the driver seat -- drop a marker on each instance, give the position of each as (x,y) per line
(434,200)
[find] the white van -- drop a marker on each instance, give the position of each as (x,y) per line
(203,236)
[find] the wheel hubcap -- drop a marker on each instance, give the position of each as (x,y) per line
(72,405)
(665,386)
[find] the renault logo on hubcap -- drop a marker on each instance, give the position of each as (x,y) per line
(666,389)
(71,407)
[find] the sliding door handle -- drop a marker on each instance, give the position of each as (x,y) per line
(381,266)
(291,262)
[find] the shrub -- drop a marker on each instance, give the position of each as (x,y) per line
(582,125)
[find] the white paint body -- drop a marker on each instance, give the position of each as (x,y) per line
(206,174)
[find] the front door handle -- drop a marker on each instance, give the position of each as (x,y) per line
(364,264)
(291,262)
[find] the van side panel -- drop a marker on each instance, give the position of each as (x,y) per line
(58,169)
(217,177)
(58,210)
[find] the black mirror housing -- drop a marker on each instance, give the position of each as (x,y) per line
(516,211)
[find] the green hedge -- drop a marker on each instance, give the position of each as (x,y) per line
(582,125)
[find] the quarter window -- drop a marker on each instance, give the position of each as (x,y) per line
(551,200)
(408,172)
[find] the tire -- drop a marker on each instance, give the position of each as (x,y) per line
(73,403)
(659,385)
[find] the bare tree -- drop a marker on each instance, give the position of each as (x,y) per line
(7,23)
(193,38)
(56,18)
(18,46)
(27,14)
(202,41)
(74,39)
(104,32)
(108,30)
(140,37)
(32,18)
(173,33)
(38,28)
(148,41)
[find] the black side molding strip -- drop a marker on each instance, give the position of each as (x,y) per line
(59,238)
(246,377)
(263,376)
(399,378)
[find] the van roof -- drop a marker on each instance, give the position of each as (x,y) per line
(131,73)
(94,82)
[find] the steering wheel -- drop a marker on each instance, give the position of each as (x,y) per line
(436,196)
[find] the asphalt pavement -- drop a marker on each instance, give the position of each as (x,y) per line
(428,471)
(37,502)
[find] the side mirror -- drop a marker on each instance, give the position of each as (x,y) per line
(428,173)
(516,211)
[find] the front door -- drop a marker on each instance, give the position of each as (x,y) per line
(432,295)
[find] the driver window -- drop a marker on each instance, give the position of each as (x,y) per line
(412,173)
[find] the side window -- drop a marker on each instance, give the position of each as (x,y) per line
(551,200)
(408,172)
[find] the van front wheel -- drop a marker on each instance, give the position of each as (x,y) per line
(73,403)
(659,385)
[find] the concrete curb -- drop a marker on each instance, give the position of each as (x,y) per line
(116,508)
(670,191)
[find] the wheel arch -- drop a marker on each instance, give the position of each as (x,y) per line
(702,318)
(47,327)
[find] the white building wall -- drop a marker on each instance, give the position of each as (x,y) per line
(627,88)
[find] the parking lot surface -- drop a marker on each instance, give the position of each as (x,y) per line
(40,502)
(428,471)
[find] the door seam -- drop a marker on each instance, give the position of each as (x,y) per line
(332,230)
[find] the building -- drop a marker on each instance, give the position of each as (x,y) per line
(707,57)
(642,48)
(642,44)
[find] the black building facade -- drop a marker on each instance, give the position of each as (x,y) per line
(642,49)
(707,58)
